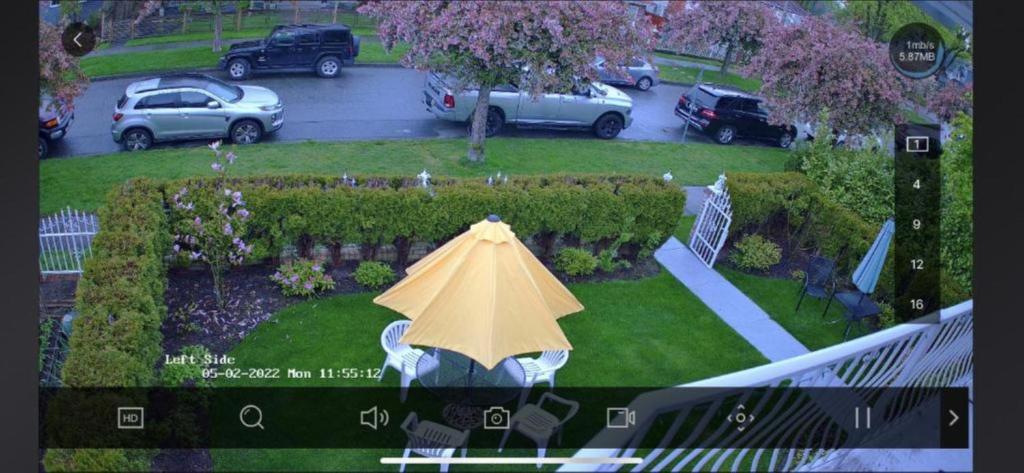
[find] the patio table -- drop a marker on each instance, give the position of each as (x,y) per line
(467,386)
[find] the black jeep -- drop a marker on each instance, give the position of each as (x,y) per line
(321,48)
(726,114)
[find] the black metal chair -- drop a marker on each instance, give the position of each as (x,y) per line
(819,281)
(858,306)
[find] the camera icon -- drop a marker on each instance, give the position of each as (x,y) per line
(496,418)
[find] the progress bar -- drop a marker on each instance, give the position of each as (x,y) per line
(511,461)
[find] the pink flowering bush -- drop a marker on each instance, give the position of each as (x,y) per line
(60,76)
(210,222)
(817,65)
(302,278)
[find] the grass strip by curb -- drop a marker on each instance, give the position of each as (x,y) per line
(82,183)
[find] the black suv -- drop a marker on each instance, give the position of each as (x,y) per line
(726,114)
(321,48)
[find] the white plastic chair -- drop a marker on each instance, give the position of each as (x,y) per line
(539,425)
(543,369)
(433,440)
(400,356)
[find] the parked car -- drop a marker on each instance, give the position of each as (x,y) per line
(640,74)
(193,106)
(602,108)
(323,49)
(726,114)
(54,120)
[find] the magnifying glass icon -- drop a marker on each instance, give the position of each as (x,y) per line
(251,416)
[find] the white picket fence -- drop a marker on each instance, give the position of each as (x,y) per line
(65,240)
(917,355)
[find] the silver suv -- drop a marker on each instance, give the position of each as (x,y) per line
(602,108)
(193,106)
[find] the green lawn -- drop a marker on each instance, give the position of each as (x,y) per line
(671,338)
(688,75)
(687,57)
(150,61)
(228,34)
(83,183)
(778,297)
(372,52)
(683,230)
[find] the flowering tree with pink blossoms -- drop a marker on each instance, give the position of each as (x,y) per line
(487,44)
(740,27)
(60,76)
(211,222)
(948,100)
(816,65)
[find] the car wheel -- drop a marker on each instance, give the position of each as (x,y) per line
(785,140)
(608,126)
(725,134)
(239,69)
(44,147)
(328,67)
(246,132)
(644,83)
(137,139)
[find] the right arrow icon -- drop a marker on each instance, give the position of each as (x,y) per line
(955,418)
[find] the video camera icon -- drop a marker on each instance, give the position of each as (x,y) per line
(373,417)
(620,418)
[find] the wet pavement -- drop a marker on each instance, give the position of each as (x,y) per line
(364,103)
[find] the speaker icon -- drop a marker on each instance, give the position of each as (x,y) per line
(374,417)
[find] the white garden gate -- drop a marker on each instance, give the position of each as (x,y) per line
(712,226)
(65,239)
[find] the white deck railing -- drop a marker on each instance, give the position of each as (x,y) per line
(917,355)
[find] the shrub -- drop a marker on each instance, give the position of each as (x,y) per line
(302,278)
(374,275)
(860,180)
(189,373)
(755,252)
(326,210)
(576,262)
(115,340)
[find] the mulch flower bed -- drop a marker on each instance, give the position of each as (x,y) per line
(194,317)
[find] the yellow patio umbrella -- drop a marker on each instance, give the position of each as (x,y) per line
(484,295)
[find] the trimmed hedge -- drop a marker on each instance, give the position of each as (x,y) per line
(116,337)
(115,340)
(307,210)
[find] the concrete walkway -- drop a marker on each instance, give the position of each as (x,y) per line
(731,305)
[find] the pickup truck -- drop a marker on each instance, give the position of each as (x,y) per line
(599,107)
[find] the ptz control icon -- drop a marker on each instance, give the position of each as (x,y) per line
(741,418)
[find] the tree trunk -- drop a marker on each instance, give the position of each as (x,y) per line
(477,132)
(218,28)
(728,58)
(336,260)
(402,247)
(238,18)
(295,19)
(184,21)
(334,16)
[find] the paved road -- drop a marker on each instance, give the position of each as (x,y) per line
(364,103)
